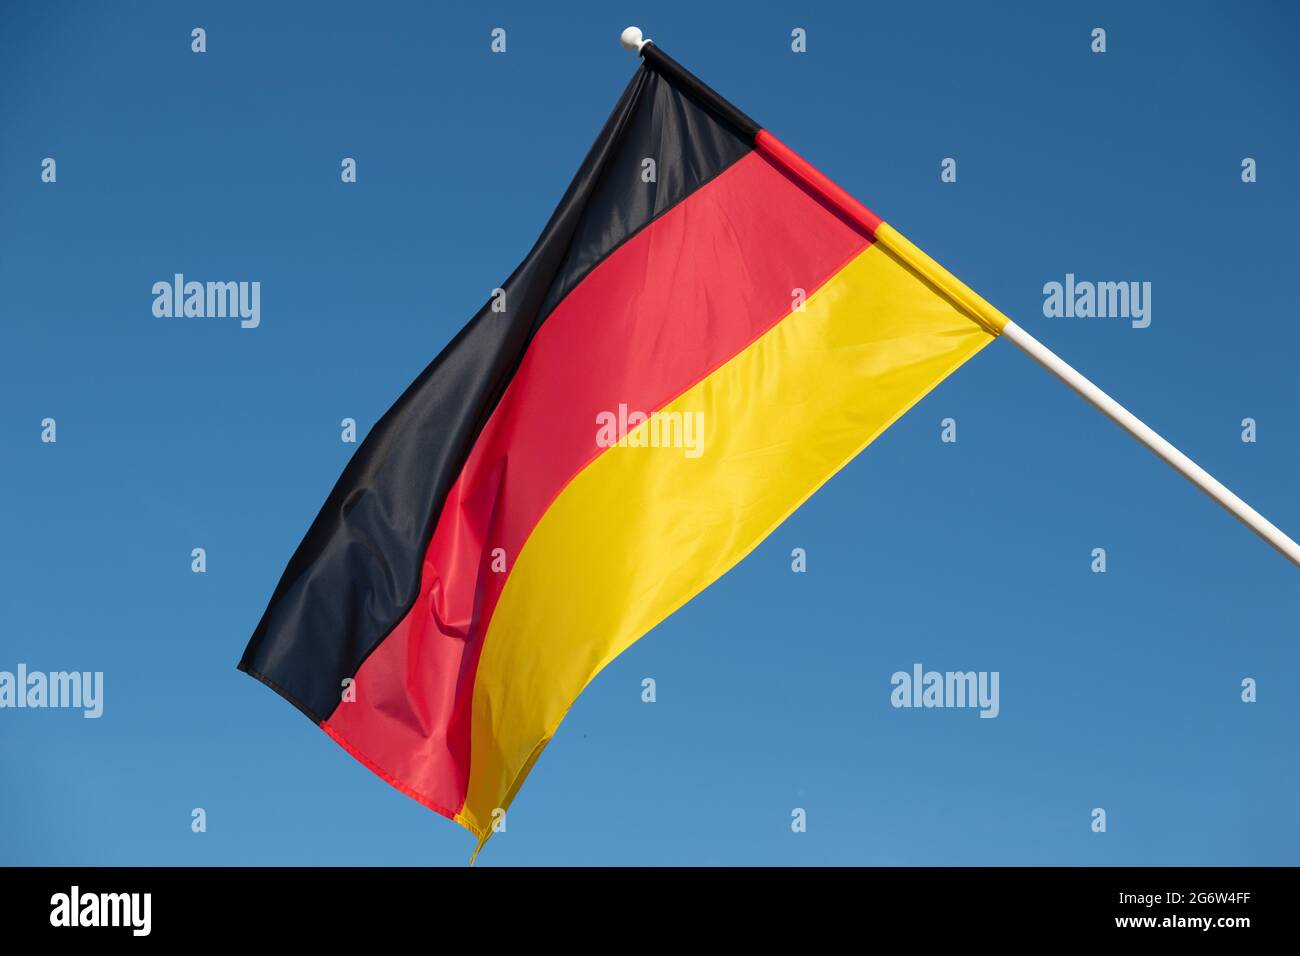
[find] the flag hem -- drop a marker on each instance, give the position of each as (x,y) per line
(393,782)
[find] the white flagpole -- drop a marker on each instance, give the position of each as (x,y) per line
(971,303)
(1126,420)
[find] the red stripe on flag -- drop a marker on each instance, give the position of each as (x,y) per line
(665,309)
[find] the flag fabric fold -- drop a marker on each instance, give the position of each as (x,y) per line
(706,331)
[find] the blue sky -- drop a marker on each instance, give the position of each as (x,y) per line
(1118,690)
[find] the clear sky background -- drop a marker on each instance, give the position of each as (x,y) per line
(1118,690)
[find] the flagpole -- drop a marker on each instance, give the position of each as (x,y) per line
(1126,420)
(989,317)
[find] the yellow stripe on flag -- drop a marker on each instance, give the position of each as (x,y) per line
(642,530)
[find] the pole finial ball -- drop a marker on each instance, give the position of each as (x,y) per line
(631,39)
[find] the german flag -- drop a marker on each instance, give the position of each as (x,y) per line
(706,331)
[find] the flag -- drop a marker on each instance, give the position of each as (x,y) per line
(706,331)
